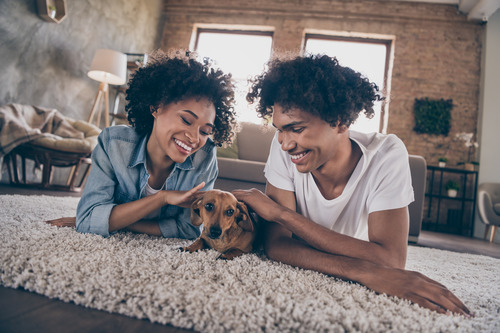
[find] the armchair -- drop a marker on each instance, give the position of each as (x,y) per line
(488,202)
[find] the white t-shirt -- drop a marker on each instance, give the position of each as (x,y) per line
(148,190)
(380,181)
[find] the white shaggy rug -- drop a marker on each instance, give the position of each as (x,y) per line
(147,277)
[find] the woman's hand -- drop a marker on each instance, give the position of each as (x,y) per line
(263,206)
(183,198)
(63,222)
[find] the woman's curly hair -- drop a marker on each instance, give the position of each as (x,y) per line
(316,84)
(169,79)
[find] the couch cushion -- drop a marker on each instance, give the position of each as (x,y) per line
(230,151)
(250,171)
(496,208)
(72,145)
(254,141)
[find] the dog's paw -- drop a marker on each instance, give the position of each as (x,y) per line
(187,249)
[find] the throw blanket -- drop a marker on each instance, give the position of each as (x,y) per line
(147,277)
(23,123)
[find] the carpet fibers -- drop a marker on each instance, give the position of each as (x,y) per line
(147,277)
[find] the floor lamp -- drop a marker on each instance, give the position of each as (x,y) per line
(108,67)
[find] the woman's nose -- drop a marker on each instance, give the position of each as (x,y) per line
(192,136)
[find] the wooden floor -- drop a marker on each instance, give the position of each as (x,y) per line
(23,311)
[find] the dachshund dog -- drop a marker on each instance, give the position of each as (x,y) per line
(227,225)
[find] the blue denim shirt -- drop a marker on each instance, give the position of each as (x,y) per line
(119,175)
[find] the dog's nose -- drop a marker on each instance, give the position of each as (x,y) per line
(215,232)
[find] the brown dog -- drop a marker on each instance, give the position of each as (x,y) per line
(227,225)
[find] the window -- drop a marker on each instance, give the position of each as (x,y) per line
(241,53)
(367,56)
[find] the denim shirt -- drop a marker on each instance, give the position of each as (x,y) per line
(119,175)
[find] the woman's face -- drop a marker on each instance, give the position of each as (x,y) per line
(181,128)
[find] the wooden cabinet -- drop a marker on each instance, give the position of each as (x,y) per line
(52,10)
(447,214)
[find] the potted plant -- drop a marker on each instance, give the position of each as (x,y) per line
(471,146)
(52,11)
(442,161)
(452,187)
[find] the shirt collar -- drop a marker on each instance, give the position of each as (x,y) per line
(139,156)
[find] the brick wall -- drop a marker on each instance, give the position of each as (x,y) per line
(437,52)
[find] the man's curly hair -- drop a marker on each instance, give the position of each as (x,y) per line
(169,79)
(316,84)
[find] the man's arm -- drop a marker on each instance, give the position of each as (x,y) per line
(409,285)
(388,230)
(280,246)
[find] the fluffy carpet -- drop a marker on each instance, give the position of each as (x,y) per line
(147,277)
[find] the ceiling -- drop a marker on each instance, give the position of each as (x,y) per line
(476,10)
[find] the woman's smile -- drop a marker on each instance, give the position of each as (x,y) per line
(183,147)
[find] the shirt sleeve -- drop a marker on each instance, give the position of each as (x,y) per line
(278,170)
(391,188)
(96,203)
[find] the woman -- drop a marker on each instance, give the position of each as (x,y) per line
(145,177)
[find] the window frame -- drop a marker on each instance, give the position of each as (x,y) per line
(247,32)
(234,30)
(387,42)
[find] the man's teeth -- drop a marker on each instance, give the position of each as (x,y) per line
(180,143)
(298,156)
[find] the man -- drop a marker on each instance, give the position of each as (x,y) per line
(337,200)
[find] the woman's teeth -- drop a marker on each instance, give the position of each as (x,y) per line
(184,146)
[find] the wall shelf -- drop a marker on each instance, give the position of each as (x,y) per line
(47,12)
(459,212)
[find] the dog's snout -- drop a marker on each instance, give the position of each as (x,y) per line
(215,232)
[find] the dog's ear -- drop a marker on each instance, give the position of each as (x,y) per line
(244,219)
(195,212)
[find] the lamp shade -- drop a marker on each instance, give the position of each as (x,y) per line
(109,66)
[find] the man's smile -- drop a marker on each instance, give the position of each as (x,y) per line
(298,157)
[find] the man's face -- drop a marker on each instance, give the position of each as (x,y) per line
(309,141)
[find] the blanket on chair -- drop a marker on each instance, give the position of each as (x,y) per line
(147,277)
(23,123)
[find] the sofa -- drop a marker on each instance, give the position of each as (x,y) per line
(241,166)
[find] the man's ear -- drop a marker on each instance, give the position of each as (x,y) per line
(195,212)
(243,219)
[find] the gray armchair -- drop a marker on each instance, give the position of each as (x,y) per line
(488,203)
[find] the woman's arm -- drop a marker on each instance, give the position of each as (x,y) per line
(129,213)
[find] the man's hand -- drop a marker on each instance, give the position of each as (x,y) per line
(415,287)
(183,198)
(63,222)
(261,204)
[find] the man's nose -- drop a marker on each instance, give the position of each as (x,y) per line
(286,142)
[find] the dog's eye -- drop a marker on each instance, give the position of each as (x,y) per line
(209,207)
(230,212)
